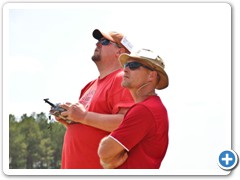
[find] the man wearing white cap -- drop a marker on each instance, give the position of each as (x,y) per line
(101,107)
(141,141)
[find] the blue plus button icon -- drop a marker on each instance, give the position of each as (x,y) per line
(227,160)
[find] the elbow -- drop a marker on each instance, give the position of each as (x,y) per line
(103,153)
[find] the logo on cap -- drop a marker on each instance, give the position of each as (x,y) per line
(126,44)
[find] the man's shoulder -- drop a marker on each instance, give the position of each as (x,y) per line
(118,73)
(115,77)
(151,104)
(90,83)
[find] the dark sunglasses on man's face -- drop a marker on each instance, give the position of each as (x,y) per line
(106,42)
(135,65)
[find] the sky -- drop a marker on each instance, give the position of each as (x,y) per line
(47,54)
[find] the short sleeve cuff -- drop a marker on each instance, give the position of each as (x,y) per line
(119,143)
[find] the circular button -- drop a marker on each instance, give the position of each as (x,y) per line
(227,159)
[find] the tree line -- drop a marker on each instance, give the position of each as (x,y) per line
(34,142)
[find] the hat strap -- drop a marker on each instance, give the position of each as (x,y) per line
(143,87)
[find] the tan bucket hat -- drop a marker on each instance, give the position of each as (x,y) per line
(151,59)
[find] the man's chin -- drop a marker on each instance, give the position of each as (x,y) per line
(124,84)
(96,58)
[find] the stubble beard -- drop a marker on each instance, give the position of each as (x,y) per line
(96,58)
(125,84)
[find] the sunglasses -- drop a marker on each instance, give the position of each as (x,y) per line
(106,42)
(135,65)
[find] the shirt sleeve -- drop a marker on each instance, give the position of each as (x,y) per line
(137,124)
(119,97)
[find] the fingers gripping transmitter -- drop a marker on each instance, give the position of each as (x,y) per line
(56,109)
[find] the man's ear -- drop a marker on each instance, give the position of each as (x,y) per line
(121,50)
(152,75)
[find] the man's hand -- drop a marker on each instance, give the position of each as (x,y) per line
(62,121)
(74,112)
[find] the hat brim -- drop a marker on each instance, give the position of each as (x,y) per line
(163,83)
(97,34)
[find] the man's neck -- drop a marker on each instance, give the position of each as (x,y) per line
(106,70)
(140,94)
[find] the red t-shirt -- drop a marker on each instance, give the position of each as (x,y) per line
(105,96)
(144,134)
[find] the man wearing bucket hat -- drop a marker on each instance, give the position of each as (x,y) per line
(101,107)
(141,141)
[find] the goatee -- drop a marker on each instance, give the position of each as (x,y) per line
(96,58)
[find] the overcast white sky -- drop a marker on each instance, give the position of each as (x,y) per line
(48,49)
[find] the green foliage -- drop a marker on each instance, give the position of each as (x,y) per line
(32,145)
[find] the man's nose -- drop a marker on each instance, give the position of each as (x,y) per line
(98,44)
(126,69)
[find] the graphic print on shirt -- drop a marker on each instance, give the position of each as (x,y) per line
(87,97)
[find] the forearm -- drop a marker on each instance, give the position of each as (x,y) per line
(106,122)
